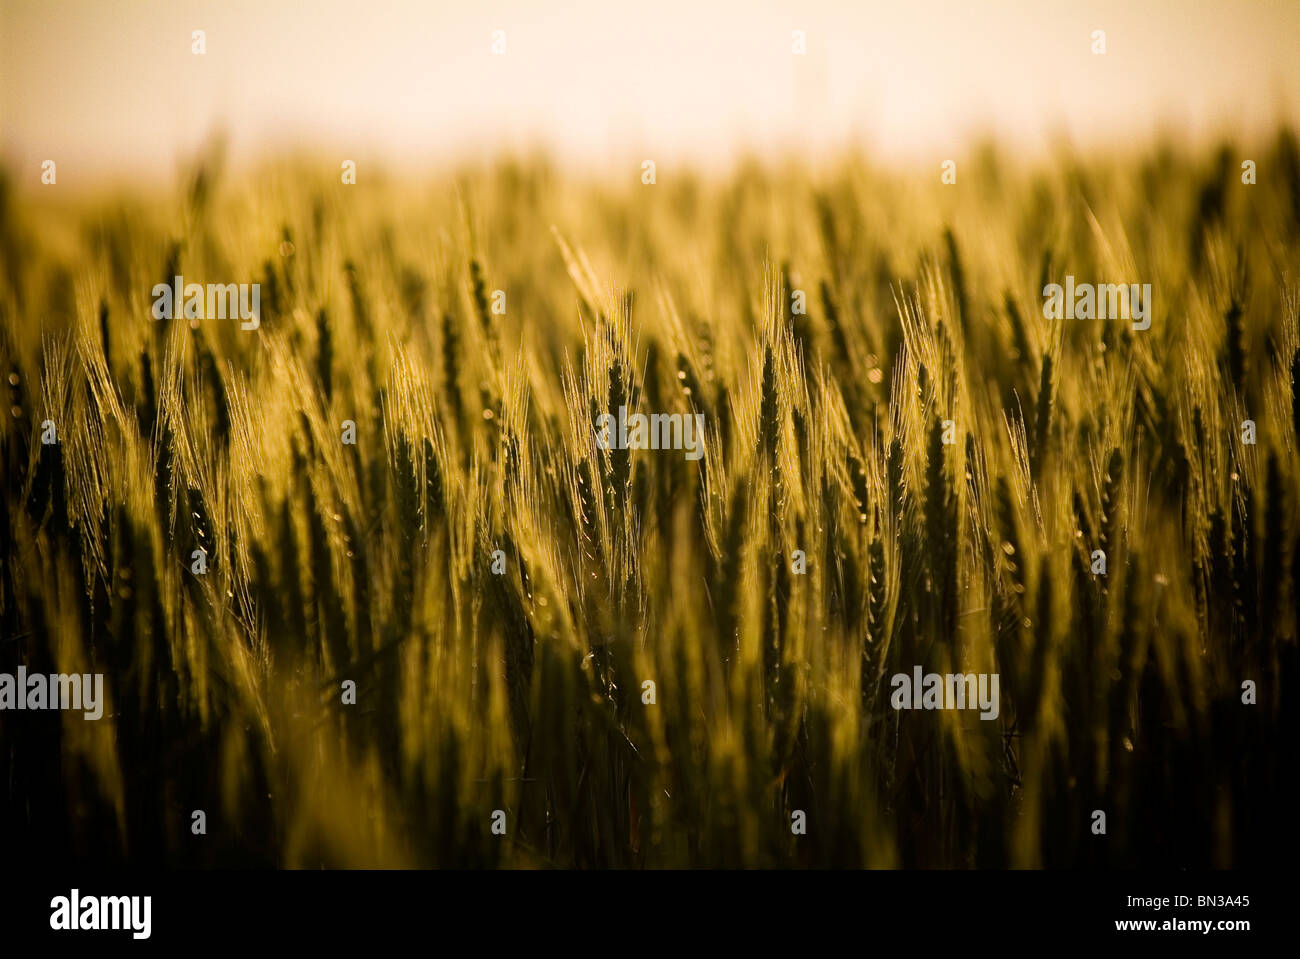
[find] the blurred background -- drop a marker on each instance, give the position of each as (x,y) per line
(110,88)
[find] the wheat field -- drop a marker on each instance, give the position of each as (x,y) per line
(402,643)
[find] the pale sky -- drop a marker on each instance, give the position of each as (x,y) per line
(111,86)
